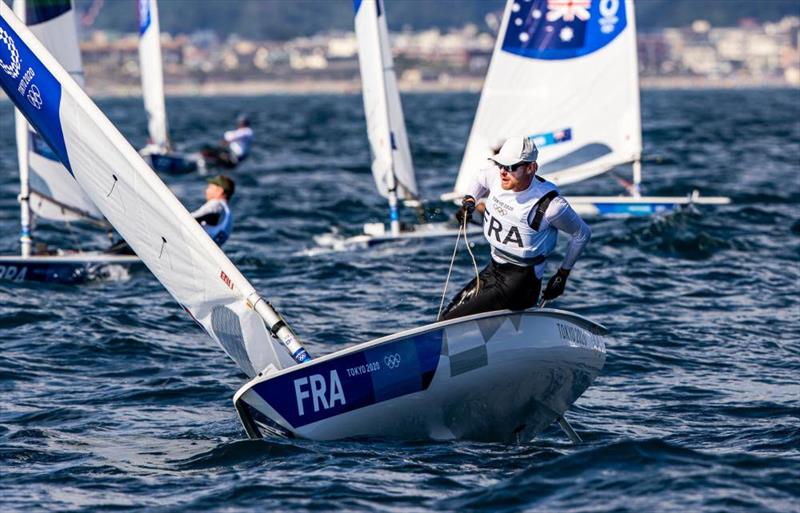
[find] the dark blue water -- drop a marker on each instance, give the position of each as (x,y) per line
(112,399)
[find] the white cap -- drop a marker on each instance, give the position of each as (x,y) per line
(515,150)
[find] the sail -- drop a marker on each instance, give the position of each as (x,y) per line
(130,195)
(54,194)
(386,127)
(565,74)
(151,68)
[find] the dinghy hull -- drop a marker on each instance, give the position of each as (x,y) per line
(172,163)
(419,232)
(497,376)
(63,269)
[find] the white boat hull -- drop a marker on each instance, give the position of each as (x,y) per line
(495,376)
(70,268)
(623,206)
(420,231)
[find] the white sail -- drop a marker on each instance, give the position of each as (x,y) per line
(130,195)
(386,127)
(565,74)
(151,68)
(53,193)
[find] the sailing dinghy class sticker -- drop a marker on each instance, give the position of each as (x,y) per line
(562,29)
(23,75)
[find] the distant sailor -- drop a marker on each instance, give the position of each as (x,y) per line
(523,215)
(235,146)
(214,216)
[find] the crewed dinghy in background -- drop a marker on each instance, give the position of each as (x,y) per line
(492,376)
(566,75)
(47,191)
(158,152)
(392,165)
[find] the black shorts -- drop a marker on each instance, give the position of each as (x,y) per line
(501,286)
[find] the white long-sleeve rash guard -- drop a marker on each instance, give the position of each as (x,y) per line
(559,215)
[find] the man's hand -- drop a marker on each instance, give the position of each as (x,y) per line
(555,287)
(464,214)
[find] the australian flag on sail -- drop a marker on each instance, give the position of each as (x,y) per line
(562,29)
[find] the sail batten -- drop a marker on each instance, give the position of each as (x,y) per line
(157,226)
(565,75)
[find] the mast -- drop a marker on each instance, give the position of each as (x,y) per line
(25,233)
(127,191)
(278,327)
(637,158)
(637,178)
(21,127)
(394,214)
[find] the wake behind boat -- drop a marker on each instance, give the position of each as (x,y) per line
(495,376)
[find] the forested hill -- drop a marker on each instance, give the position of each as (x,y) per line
(285,19)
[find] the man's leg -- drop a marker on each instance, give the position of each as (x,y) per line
(471,301)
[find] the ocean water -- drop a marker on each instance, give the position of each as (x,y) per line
(112,398)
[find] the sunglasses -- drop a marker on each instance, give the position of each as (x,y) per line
(514,168)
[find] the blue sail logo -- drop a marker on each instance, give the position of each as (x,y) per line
(12,65)
(144,16)
(562,29)
(35,96)
(37,85)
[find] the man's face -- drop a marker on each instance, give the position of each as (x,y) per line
(214,191)
(517,177)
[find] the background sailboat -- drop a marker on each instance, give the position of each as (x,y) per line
(392,165)
(158,151)
(566,75)
(494,376)
(47,190)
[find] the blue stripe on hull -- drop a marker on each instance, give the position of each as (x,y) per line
(32,88)
(353,381)
(640,209)
(172,164)
(45,272)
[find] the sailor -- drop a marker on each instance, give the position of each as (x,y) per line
(523,215)
(215,215)
(234,147)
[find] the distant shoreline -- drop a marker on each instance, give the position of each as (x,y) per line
(350,87)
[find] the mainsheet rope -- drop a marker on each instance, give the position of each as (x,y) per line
(462,227)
